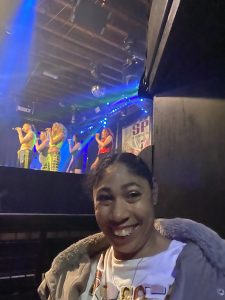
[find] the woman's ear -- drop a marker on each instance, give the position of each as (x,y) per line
(155,192)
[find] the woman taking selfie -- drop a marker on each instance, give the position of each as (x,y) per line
(136,256)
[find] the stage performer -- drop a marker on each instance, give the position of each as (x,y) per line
(76,162)
(105,146)
(57,135)
(42,149)
(27,142)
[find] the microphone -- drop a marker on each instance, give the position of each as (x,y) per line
(15,128)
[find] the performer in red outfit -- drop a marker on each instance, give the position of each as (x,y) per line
(105,146)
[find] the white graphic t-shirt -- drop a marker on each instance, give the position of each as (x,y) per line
(147,278)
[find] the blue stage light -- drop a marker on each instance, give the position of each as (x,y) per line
(15,48)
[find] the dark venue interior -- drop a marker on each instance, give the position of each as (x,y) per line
(96,64)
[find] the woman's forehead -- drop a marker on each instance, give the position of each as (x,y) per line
(119,172)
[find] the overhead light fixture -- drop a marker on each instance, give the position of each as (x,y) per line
(8,32)
(73,119)
(94,73)
(128,62)
(50,75)
(95,70)
(24,109)
(103,2)
(61,104)
(128,43)
(97,109)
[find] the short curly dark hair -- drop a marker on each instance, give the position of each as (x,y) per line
(134,163)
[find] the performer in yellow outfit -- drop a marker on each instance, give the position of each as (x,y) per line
(57,135)
(27,143)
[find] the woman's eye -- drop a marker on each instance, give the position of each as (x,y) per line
(134,195)
(104,198)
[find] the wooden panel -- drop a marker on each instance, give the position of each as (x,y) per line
(30,191)
(189,158)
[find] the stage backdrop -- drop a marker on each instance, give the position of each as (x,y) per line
(136,136)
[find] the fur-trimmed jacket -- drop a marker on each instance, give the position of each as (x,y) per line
(199,271)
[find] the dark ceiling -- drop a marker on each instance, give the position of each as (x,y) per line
(78,47)
(87,53)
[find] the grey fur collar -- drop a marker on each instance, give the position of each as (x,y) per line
(183,230)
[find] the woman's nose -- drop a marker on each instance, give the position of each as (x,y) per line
(119,211)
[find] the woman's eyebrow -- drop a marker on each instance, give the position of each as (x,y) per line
(131,184)
(124,186)
(103,189)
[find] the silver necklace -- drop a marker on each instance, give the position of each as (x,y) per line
(104,287)
(140,260)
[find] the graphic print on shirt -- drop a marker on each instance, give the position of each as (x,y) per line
(149,278)
(109,291)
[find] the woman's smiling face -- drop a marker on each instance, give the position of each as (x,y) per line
(124,211)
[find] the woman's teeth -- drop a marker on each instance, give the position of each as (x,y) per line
(124,232)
